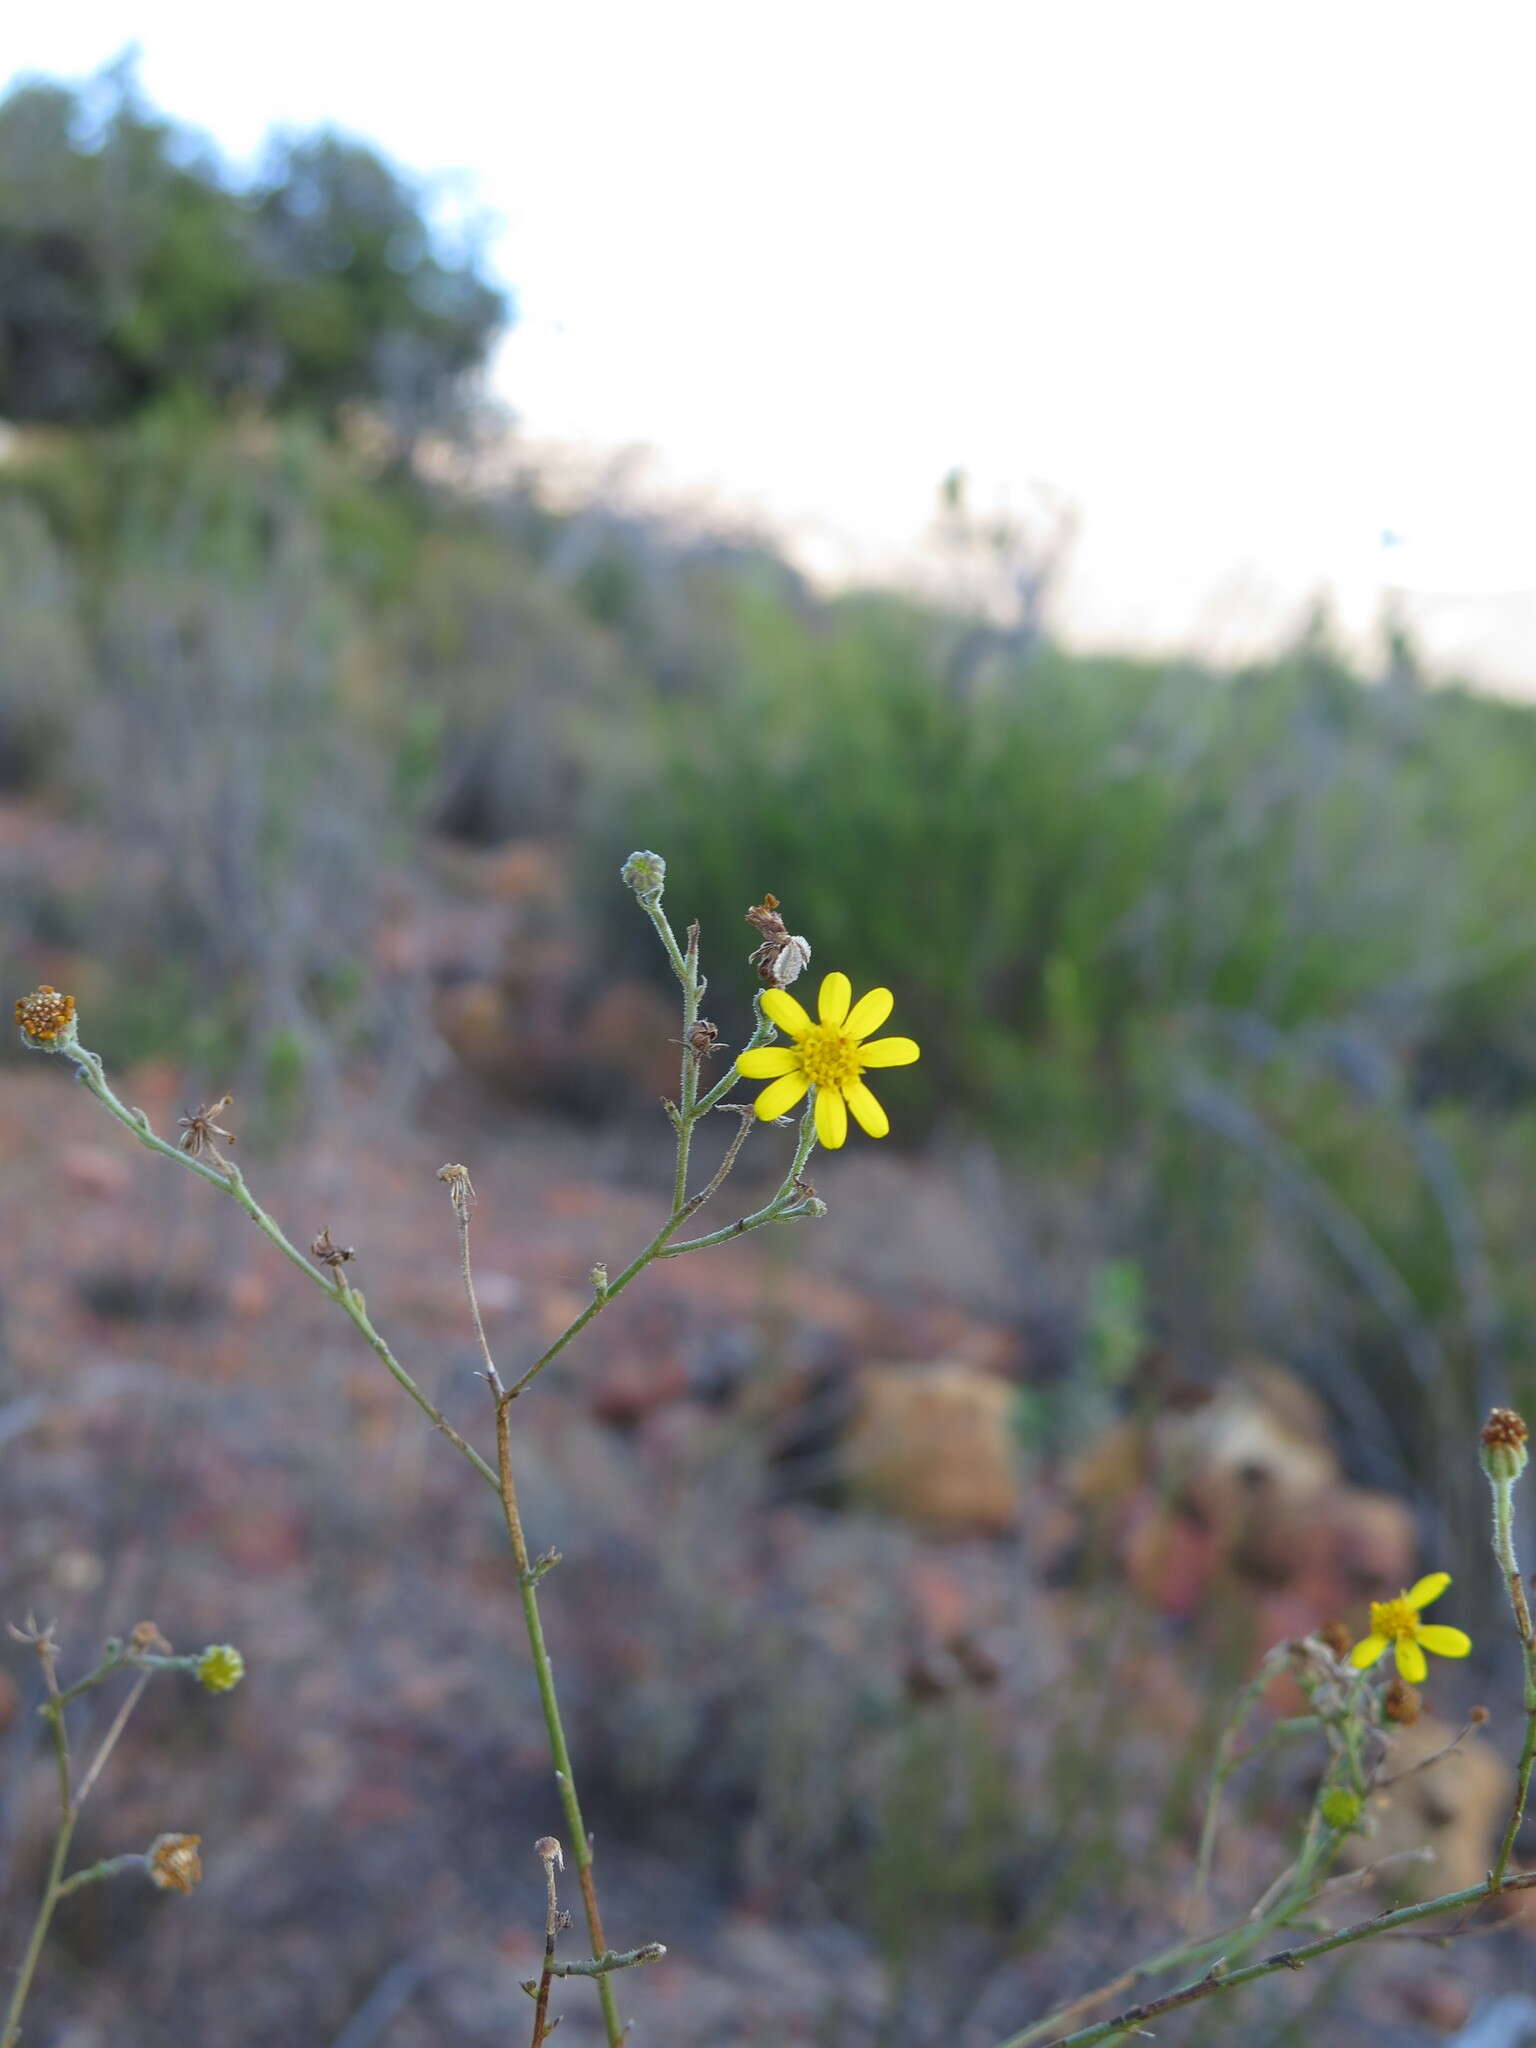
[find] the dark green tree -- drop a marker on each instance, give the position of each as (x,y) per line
(133,267)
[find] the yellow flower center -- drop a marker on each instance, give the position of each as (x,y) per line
(1394,1619)
(829,1057)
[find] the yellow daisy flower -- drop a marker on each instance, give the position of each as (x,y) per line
(1397,1622)
(829,1056)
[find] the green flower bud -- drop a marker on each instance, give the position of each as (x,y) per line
(220,1668)
(646,874)
(1340,1809)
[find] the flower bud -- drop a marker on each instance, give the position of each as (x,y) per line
(1339,1808)
(220,1668)
(1337,1637)
(1503,1446)
(646,874)
(1402,1702)
(174,1863)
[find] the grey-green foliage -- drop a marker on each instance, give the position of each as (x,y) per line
(229,755)
(45,668)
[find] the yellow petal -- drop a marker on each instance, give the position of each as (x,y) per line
(1366,1653)
(780,1096)
(1410,1661)
(1427,1589)
(887,1052)
(872,1119)
(781,1007)
(763,1062)
(831,1118)
(869,1013)
(1445,1642)
(836,995)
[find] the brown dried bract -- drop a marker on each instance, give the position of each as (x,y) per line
(333,1255)
(201,1132)
(45,1015)
(702,1040)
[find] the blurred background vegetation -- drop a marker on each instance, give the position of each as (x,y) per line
(1226,981)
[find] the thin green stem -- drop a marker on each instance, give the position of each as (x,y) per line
(1217,1981)
(97,1873)
(52,1883)
(602,1966)
(559,1749)
(1226,1762)
(232,1183)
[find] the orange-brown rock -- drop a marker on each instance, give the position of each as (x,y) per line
(935,1444)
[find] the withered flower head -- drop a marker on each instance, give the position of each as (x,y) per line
(1503,1445)
(548,1850)
(703,1038)
(144,1636)
(781,958)
(1338,1637)
(461,1189)
(46,1018)
(333,1255)
(174,1862)
(201,1131)
(1402,1702)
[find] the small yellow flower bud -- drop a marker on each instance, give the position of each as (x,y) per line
(1340,1809)
(220,1668)
(174,1862)
(1503,1446)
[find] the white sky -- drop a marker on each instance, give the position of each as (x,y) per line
(1246,284)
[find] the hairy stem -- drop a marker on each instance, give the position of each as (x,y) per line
(1509,1567)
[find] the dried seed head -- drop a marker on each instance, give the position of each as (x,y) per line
(1479,1717)
(144,1636)
(703,1038)
(1503,1446)
(548,1850)
(461,1189)
(220,1668)
(1402,1702)
(1337,1637)
(781,958)
(174,1862)
(46,1019)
